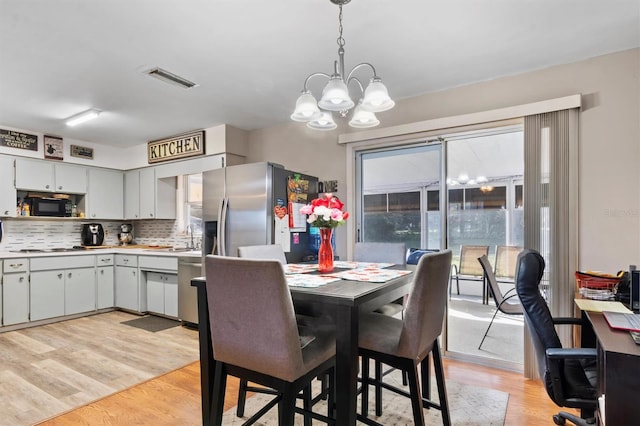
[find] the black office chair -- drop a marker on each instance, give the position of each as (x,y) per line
(569,374)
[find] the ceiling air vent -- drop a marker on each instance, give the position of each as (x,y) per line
(170,78)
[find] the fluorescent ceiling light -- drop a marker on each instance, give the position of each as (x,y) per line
(171,78)
(82,117)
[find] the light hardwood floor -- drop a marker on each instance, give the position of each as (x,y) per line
(49,369)
(174,399)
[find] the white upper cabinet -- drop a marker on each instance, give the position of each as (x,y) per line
(147,197)
(106,194)
(7,189)
(132,195)
(40,175)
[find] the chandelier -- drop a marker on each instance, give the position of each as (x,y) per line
(335,96)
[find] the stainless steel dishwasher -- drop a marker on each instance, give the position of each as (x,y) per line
(188,268)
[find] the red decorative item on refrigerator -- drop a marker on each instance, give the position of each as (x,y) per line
(325,252)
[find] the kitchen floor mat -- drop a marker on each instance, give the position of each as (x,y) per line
(152,323)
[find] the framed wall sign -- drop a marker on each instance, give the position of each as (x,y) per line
(19,140)
(81,151)
(53,147)
(186,145)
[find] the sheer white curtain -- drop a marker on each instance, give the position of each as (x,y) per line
(551,208)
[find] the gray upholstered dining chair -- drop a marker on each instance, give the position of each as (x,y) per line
(383,253)
(404,344)
(255,336)
(267,251)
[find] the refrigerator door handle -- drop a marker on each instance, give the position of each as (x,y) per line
(222,226)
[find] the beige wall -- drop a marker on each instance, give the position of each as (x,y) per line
(609,144)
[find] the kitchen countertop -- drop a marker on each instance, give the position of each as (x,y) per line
(138,251)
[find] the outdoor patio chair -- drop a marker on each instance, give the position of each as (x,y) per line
(469,269)
(507,303)
(505,264)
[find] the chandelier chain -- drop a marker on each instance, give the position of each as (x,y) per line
(340,38)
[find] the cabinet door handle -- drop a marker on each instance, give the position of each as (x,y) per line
(60,187)
(102,272)
(16,265)
(60,276)
(21,279)
(70,275)
(47,186)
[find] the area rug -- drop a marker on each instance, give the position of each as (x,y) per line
(468,406)
(152,323)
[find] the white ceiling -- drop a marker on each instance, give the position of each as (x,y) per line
(250,57)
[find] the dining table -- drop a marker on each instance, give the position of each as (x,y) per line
(341,295)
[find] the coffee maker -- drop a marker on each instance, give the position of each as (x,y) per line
(92,234)
(126,234)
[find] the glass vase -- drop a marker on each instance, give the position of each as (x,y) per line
(325,252)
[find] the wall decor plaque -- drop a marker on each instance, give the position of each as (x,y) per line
(186,145)
(53,147)
(19,140)
(81,151)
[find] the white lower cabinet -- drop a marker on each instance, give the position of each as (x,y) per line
(79,290)
(15,291)
(47,294)
(162,293)
(105,281)
(160,278)
(127,286)
(62,285)
(171,295)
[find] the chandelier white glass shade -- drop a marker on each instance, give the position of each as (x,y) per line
(335,96)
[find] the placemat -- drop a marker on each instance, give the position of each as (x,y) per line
(306,280)
(373,275)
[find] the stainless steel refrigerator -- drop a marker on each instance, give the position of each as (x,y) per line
(238,208)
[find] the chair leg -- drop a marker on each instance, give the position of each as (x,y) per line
(378,388)
(416,397)
(364,399)
(219,388)
(242,397)
(286,408)
(331,394)
(442,388)
(306,403)
(487,332)
(425,380)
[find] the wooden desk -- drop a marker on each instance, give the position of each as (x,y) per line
(342,300)
(618,372)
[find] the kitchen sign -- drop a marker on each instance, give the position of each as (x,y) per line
(18,140)
(187,145)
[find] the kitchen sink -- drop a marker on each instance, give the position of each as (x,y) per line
(174,249)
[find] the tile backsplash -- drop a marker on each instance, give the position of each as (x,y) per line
(46,234)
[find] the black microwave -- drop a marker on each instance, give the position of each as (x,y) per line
(54,207)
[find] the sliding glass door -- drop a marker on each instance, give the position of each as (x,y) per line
(484,216)
(399,198)
(459,190)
